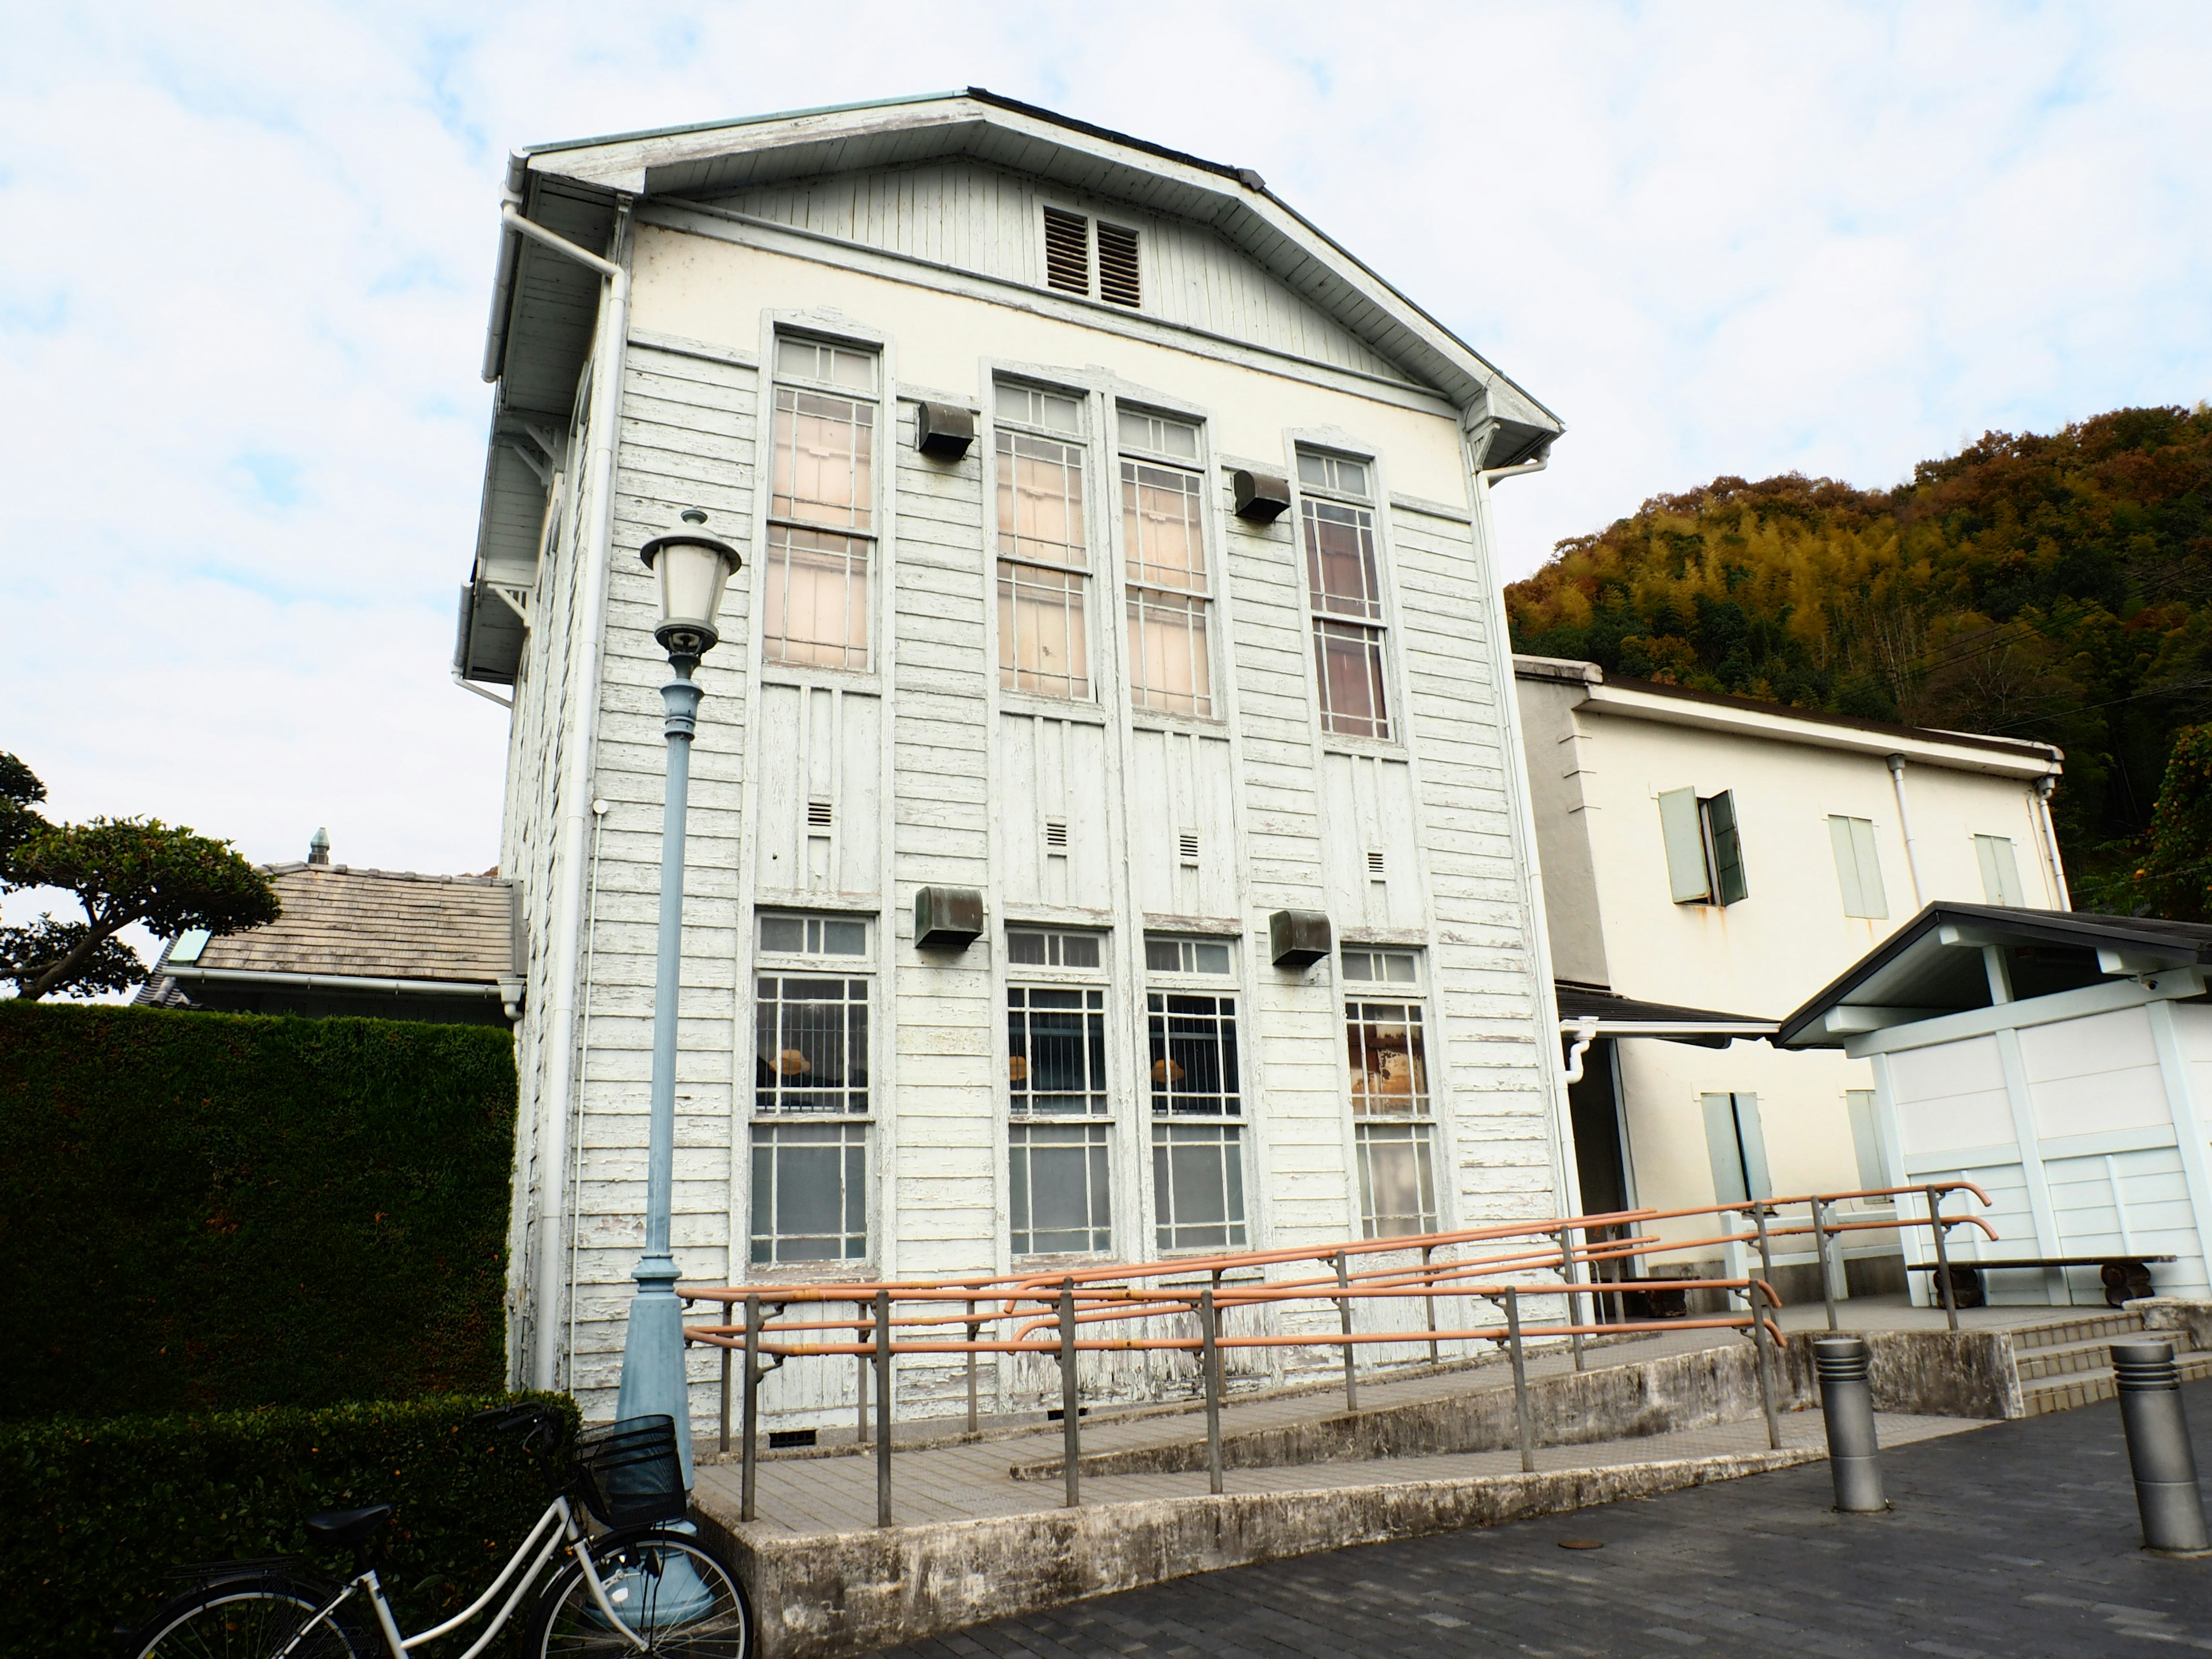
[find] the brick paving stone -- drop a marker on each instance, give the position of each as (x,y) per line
(2014,1541)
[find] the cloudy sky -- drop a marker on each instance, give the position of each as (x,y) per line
(250,250)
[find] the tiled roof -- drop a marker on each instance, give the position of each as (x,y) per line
(376,924)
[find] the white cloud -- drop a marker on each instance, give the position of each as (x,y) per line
(241,307)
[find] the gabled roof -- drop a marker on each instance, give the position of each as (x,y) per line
(345,923)
(1935,965)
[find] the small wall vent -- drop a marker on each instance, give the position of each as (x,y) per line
(1117,265)
(1189,842)
(1375,866)
(1056,832)
(819,815)
(1067,252)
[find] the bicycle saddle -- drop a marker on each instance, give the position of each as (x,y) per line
(342,1529)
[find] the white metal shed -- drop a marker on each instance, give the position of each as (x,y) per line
(2062,1062)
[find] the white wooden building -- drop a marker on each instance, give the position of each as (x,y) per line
(1116,548)
(1723,858)
(2062,1062)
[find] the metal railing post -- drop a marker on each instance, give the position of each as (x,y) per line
(1759,1337)
(1344,1318)
(883,1408)
(1071,1432)
(1847,1407)
(1942,1257)
(2158,1453)
(1429,1278)
(1567,1272)
(974,1330)
(723,1447)
(1820,1248)
(1209,1337)
(746,1507)
(1524,1426)
(861,1335)
(1765,1244)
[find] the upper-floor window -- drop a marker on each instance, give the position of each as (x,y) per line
(821,534)
(2000,870)
(1068,264)
(1044,557)
(1704,848)
(1858,867)
(1343,592)
(1164,553)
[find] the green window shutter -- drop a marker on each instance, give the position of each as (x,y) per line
(1725,1150)
(1871,893)
(1686,846)
(1728,848)
(1753,1139)
(1847,865)
(1866,1139)
(2000,872)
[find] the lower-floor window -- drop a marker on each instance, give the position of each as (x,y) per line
(809,1192)
(1397,1180)
(1057,1187)
(1198,1180)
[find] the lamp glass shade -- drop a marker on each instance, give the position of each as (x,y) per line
(692,575)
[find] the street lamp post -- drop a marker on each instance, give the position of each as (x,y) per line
(692,568)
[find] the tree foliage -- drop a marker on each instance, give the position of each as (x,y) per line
(2057,587)
(122,870)
(2175,876)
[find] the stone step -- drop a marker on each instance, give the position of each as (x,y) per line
(2064,1333)
(2042,1362)
(2085,1388)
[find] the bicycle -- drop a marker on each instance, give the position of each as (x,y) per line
(636,1588)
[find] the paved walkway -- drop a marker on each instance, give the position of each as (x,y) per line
(2018,1539)
(804,1495)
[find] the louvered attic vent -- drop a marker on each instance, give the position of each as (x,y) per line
(1056,832)
(1189,848)
(1117,265)
(818,815)
(1374,864)
(1067,252)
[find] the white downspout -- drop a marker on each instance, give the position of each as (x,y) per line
(2043,785)
(570,852)
(1585,1034)
(1524,818)
(1904,824)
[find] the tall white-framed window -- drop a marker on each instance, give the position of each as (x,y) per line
(1043,552)
(1858,867)
(1737,1147)
(811,1096)
(1195,1082)
(2000,870)
(1163,561)
(1344,593)
(1058,1153)
(1386,1037)
(821,541)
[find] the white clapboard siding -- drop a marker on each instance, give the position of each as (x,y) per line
(973,217)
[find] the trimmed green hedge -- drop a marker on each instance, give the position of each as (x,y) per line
(216,1211)
(92,1515)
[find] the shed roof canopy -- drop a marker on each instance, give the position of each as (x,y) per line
(1937,964)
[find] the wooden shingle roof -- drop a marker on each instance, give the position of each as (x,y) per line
(377,924)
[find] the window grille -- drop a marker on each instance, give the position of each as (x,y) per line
(1389,1059)
(1043,549)
(821,535)
(1344,592)
(1164,553)
(809,1193)
(1067,252)
(811,1044)
(1055,1051)
(1118,283)
(1193,1042)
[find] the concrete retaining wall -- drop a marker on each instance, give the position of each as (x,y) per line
(2190,1323)
(835,1595)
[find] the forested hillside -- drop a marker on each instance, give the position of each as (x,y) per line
(2056,587)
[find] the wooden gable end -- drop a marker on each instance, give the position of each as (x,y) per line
(973,217)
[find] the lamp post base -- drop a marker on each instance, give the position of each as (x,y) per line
(653,1380)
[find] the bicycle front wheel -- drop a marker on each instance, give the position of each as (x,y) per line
(251,1618)
(679,1599)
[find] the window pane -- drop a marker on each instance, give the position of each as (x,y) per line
(1390,1066)
(1078,950)
(1158,433)
(1161,538)
(1026,948)
(1055,1050)
(810,1201)
(1198,1183)
(1397,1180)
(844,938)
(824,460)
(1041,632)
(1169,667)
(782,933)
(1194,1054)
(1348,662)
(1040,500)
(812,360)
(818,599)
(1341,574)
(1050,409)
(1058,1198)
(811,1044)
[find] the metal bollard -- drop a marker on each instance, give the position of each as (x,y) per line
(2158,1448)
(1847,1402)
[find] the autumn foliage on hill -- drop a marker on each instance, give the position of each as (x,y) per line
(2057,587)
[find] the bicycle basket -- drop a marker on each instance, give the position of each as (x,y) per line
(630,1472)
